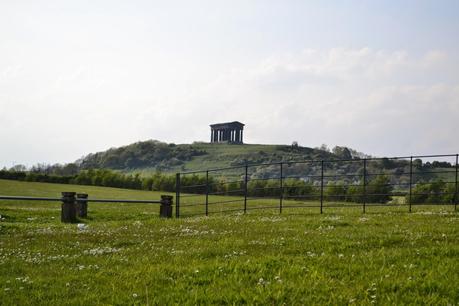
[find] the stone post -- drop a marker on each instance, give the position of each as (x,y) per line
(68,207)
(165,210)
(82,205)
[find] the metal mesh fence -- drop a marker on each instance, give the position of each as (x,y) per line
(321,184)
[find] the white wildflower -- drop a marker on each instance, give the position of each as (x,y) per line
(101,251)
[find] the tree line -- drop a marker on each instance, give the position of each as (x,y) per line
(436,192)
(377,190)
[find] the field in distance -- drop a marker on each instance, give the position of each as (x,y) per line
(127,255)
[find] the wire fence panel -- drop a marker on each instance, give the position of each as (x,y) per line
(394,181)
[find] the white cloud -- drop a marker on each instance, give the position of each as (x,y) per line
(377,101)
(382,102)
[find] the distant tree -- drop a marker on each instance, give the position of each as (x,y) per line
(18,168)
(387,163)
(417,164)
(335,191)
(70,169)
(355,193)
(379,190)
(342,152)
(438,164)
(432,192)
(324,147)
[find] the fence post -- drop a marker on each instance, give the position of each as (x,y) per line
(82,205)
(165,210)
(177,195)
(68,207)
(455,193)
(364,184)
(411,182)
(321,186)
(207,192)
(281,189)
(245,188)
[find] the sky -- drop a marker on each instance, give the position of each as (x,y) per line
(77,77)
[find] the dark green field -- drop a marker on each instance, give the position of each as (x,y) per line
(127,255)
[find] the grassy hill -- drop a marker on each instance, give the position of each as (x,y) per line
(150,156)
(128,256)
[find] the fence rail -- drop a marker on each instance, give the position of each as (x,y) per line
(383,181)
(74,204)
(80,200)
(393,181)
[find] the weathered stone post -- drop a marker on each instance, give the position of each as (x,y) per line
(165,210)
(82,205)
(68,208)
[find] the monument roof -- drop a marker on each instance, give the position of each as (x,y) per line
(225,125)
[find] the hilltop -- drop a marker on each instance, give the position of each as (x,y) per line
(148,157)
(152,155)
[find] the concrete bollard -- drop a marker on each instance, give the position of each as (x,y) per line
(82,205)
(68,208)
(165,210)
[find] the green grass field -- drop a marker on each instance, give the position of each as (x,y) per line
(127,255)
(222,155)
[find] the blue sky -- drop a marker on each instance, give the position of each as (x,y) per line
(82,76)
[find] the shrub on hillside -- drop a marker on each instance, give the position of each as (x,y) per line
(437,192)
(377,190)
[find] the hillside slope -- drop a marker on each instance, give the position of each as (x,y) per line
(148,157)
(151,155)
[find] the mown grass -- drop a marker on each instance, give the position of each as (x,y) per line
(127,255)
